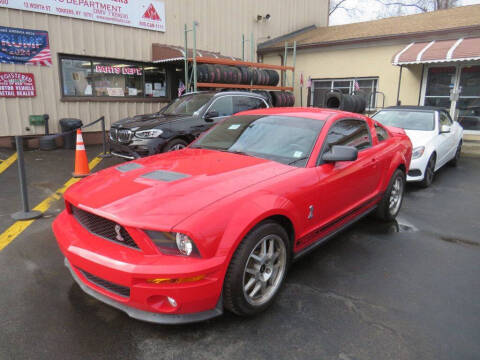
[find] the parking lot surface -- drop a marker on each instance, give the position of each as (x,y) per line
(403,290)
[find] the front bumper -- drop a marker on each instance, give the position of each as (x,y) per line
(101,267)
(152,317)
(137,148)
(417,169)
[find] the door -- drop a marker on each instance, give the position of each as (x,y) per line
(467,107)
(439,84)
(445,141)
(345,187)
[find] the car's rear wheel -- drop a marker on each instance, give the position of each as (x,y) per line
(429,173)
(454,161)
(175,144)
(392,199)
(257,269)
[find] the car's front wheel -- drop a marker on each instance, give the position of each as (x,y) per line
(257,269)
(175,144)
(454,161)
(391,202)
(429,172)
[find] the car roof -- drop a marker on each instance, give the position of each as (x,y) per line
(415,107)
(304,112)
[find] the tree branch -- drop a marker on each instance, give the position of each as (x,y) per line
(400,3)
(336,6)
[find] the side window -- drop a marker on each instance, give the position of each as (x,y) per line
(243,103)
(223,105)
(445,119)
(382,134)
(349,133)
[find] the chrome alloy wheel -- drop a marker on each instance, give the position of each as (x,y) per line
(177,147)
(264,270)
(396,195)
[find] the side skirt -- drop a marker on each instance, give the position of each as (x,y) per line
(321,241)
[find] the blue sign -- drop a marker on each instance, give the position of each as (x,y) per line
(23,46)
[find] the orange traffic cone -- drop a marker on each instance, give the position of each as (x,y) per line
(81,162)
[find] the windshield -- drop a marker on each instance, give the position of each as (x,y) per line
(187,105)
(408,120)
(284,139)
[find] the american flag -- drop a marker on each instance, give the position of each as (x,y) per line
(181,88)
(301,79)
(43,58)
(356,86)
(309,82)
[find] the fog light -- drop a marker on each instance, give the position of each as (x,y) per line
(172,301)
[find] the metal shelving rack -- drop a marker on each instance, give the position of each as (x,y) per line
(222,61)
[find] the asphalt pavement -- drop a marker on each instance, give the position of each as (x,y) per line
(403,290)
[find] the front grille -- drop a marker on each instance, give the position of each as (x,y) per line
(121,135)
(105,228)
(107,285)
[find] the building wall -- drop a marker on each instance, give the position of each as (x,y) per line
(222,23)
(347,62)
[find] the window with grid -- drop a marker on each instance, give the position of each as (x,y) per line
(365,87)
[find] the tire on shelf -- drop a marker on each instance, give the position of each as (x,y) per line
(245,75)
(273,77)
(218,74)
(361,104)
(211,73)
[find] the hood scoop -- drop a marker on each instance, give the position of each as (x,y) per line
(163,175)
(128,167)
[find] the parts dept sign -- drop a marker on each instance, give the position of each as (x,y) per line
(14,84)
(143,14)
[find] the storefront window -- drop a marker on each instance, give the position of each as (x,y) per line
(77,79)
(106,78)
(468,104)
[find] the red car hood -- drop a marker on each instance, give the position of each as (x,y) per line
(124,195)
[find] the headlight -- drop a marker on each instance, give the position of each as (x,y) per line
(418,152)
(148,134)
(173,243)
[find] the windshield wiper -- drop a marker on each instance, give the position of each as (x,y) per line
(297,160)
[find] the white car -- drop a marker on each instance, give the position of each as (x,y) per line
(436,138)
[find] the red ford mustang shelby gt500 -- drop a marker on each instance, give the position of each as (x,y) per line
(179,236)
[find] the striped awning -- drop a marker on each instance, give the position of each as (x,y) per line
(463,49)
(168,53)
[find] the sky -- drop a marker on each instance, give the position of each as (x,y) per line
(364,10)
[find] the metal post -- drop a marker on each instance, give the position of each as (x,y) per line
(252,47)
(104,133)
(45,119)
(294,60)
(26,214)
(186,58)
(399,83)
(194,56)
(284,72)
(243,47)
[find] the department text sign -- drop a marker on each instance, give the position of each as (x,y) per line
(143,14)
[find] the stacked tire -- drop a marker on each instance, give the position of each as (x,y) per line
(224,74)
(282,98)
(351,103)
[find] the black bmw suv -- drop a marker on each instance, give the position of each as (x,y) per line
(179,123)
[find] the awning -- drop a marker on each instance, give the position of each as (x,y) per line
(168,53)
(439,51)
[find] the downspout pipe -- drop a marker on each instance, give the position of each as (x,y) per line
(399,84)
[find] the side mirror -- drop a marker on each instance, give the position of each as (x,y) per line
(340,153)
(444,129)
(211,115)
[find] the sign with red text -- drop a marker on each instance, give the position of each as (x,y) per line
(14,84)
(143,14)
